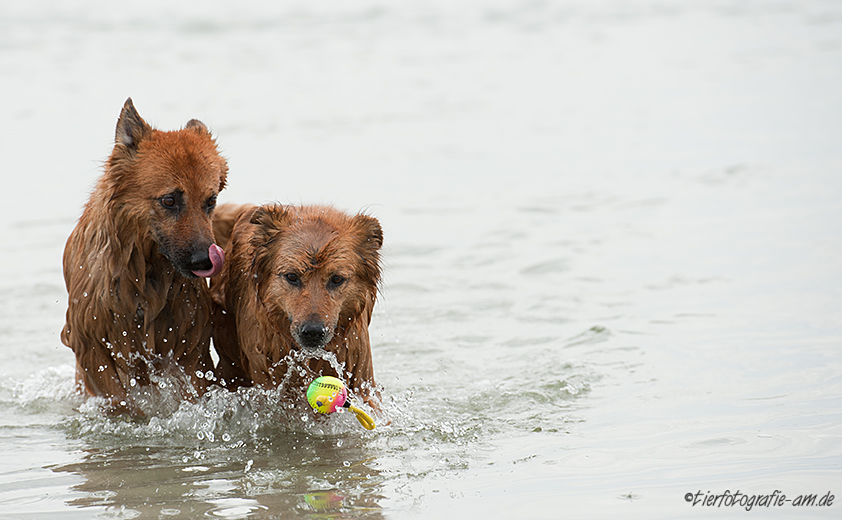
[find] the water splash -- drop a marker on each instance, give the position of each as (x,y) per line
(50,390)
(263,447)
(217,419)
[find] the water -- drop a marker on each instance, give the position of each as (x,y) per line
(612,269)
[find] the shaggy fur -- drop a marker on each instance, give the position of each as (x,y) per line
(132,265)
(297,278)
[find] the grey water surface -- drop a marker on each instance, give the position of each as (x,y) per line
(613,253)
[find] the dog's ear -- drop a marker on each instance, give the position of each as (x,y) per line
(223,174)
(269,216)
(370,231)
(270,220)
(198,126)
(370,236)
(131,128)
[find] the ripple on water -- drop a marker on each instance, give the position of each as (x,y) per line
(263,448)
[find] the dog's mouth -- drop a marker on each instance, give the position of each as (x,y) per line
(216,258)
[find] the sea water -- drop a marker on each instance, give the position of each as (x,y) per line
(611,262)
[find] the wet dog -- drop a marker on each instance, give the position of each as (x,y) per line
(136,262)
(297,279)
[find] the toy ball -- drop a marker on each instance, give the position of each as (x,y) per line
(326,394)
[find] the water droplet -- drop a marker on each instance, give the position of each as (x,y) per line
(200,374)
(226,437)
(346,463)
(125,333)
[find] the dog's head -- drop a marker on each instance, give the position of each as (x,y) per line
(167,183)
(315,268)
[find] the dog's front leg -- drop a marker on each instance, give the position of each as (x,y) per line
(96,374)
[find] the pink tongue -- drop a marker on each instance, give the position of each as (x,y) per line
(217,258)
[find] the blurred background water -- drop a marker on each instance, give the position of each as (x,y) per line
(612,266)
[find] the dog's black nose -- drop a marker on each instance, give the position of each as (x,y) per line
(312,334)
(200,261)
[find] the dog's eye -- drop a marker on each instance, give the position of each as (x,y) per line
(335,281)
(292,278)
(211,203)
(172,201)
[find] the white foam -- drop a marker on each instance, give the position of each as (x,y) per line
(50,388)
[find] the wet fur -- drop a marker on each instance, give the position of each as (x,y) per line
(133,304)
(261,313)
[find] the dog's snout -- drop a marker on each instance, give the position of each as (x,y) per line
(200,261)
(312,334)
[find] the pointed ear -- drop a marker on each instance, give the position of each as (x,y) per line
(131,128)
(200,128)
(370,231)
(223,177)
(195,124)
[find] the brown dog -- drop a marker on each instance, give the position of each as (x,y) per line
(135,264)
(297,278)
